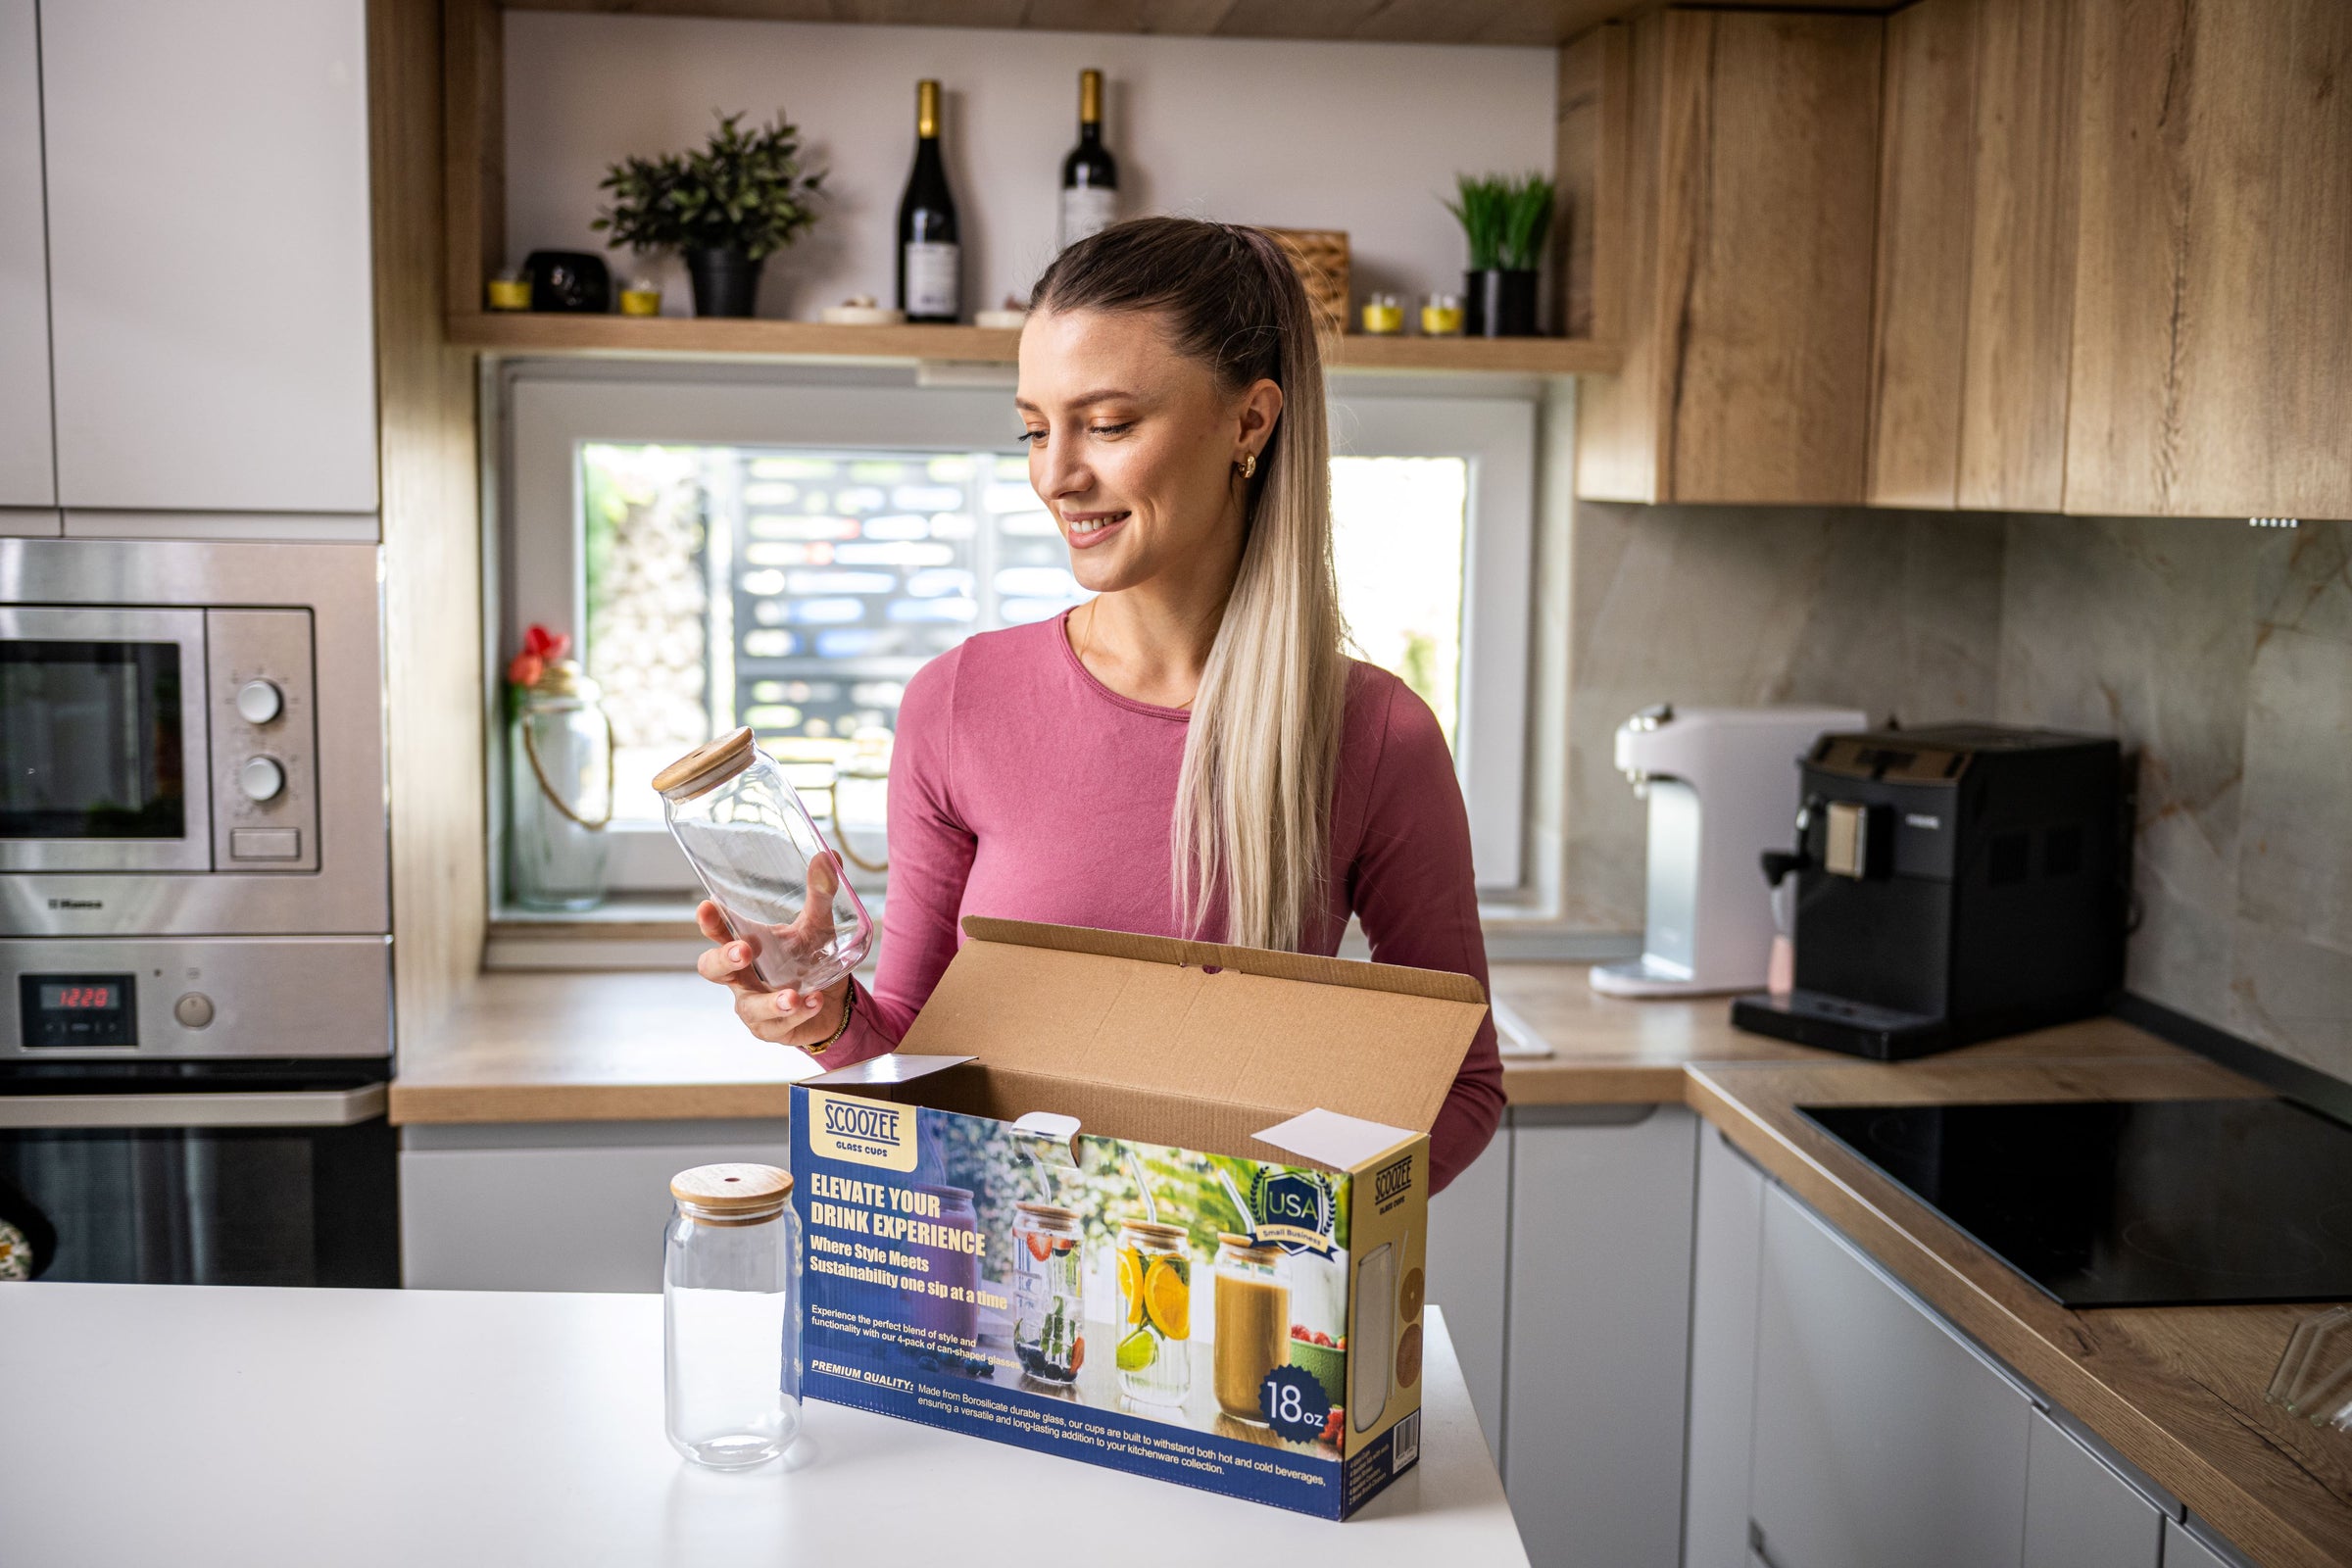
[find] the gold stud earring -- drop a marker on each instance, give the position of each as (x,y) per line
(1249,464)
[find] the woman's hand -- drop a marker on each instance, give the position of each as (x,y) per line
(786,1017)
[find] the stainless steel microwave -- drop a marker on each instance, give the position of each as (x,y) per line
(192,797)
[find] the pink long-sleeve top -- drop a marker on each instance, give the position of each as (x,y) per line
(1023,788)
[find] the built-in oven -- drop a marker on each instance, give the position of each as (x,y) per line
(198,1173)
(195,949)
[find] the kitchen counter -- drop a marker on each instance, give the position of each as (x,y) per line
(2177,1391)
(634,1046)
(217,1425)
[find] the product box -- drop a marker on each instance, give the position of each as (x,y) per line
(1153,1204)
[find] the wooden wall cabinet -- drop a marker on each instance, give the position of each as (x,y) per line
(2111,261)
(2212,351)
(1750,172)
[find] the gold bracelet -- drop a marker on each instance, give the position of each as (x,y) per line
(848,1009)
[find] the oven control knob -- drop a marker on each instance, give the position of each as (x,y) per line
(260,701)
(194,1010)
(262,779)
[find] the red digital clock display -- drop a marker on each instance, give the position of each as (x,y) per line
(82,997)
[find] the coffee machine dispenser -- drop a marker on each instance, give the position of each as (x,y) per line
(1720,782)
(1953,884)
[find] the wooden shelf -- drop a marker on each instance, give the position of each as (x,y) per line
(1483,22)
(687,337)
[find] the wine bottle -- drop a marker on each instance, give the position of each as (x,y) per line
(930,262)
(1090,176)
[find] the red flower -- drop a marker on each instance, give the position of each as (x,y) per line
(540,649)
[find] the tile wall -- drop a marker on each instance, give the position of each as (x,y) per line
(2221,654)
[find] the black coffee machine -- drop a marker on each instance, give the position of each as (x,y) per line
(1952,884)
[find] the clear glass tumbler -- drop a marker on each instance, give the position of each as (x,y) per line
(730,1334)
(765,866)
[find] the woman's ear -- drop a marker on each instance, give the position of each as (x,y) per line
(1260,411)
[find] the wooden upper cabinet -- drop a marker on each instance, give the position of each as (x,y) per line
(1751,180)
(1919,319)
(2212,345)
(1972,322)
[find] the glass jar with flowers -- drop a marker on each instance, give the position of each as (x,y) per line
(559,777)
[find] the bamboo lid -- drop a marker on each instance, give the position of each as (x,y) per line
(706,766)
(732,1195)
(1050,1214)
(1153,1232)
(1249,1247)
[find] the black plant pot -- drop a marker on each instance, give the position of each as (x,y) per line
(726,282)
(1499,303)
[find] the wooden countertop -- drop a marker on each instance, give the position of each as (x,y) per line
(2176,1390)
(634,1046)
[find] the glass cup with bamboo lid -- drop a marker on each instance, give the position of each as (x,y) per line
(763,863)
(731,1360)
(1253,1322)
(1156,1312)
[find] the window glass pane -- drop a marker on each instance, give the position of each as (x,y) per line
(1396,539)
(795,591)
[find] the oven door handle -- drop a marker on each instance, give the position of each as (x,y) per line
(304,1108)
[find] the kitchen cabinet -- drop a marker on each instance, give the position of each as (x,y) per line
(210,271)
(2211,349)
(1751,184)
(1599,1315)
(1725,1274)
(2079,1510)
(1880,1435)
(1971,317)
(555,1207)
(2184,1550)
(28,472)
(1468,1261)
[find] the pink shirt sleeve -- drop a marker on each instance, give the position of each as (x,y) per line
(1413,891)
(930,858)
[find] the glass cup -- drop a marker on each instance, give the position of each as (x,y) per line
(1253,1322)
(765,866)
(732,1363)
(1155,1313)
(1049,1332)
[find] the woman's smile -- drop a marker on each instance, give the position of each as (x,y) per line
(1087,529)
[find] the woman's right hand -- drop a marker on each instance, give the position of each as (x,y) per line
(786,1017)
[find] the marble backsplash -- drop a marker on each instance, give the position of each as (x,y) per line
(2221,654)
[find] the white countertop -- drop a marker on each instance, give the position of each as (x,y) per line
(200,1425)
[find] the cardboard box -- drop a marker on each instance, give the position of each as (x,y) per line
(978,1253)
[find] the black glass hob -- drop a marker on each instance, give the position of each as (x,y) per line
(2130,1204)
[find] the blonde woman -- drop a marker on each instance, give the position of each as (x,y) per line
(1189,752)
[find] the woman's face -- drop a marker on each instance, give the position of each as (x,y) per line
(1132,446)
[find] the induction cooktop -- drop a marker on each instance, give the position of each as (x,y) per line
(2154,1202)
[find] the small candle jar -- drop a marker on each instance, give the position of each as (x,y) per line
(1383,315)
(510,291)
(641,296)
(1441,316)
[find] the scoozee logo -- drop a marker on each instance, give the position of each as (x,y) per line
(863,1132)
(1292,1208)
(1392,1180)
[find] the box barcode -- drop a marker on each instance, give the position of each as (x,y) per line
(1406,1441)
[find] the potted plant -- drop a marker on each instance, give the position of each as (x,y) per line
(726,208)
(1506,222)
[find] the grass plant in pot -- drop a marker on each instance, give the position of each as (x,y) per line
(725,207)
(1505,221)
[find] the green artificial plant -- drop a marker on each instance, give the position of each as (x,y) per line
(741,190)
(1504,220)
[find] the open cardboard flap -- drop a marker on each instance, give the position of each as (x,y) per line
(1193,1043)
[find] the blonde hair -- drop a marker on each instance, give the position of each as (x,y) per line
(1253,796)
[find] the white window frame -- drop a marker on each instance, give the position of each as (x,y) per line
(547,409)
(1496,437)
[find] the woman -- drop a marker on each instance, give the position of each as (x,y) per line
(1189,752)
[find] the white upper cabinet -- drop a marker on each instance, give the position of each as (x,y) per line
(28,476)
(209,254)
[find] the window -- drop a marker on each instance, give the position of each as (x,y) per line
(787,555)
